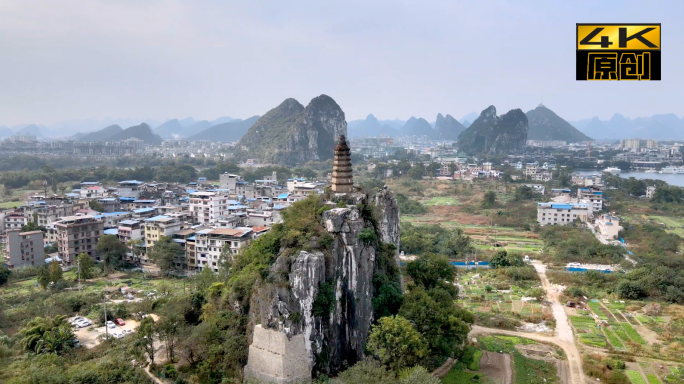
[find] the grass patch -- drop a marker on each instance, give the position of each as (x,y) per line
(441,201)
(505,344)
(457,376)
(475,364)
(531,371)
(12,204)
(593,340)
(635,377)
(633,334)
(653,379)
(613,339)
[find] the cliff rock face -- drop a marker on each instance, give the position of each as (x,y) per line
(335,337)
(495,134)
(292,135)
(447,128)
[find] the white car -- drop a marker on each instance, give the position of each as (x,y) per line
(110,324)
(118,335)
(127,332)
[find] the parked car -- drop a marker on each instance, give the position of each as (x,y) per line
(120,322)
(110,324)
(127,331)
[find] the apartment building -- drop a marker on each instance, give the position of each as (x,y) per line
(592,197)
(130,188)
(159,226)
(209,243)
(650,191)
(260,218)
(76,235)
(51,213)
(14,220)
(608,226)
(207,207)
(110,204)
(562,214)
(229,181)
(24,249)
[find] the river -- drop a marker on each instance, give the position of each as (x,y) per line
(669,178)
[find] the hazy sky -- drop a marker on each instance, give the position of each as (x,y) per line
(65,59)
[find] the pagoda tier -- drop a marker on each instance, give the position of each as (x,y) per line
(342,179)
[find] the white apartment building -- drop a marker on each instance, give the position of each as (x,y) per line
(562,214)
(130,188)
(208,207)
(650,191)
(592,197)
(608,226)
(209,244)
(14,220)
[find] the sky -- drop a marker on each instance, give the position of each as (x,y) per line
(161,59)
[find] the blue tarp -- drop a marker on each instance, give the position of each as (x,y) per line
(572,269)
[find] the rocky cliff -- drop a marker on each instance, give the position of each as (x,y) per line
(327,296)
(490,133)
(447,128)
(291,134)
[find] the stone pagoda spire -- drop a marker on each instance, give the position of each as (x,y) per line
(342,181)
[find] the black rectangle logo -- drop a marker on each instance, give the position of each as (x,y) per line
(626,52)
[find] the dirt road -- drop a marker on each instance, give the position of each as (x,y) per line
(563,338)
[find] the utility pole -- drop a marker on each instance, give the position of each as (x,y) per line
(104,301)
(78,262)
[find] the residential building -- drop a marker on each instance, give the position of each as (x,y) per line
(112,219)
(24,249)
(76,235)
(301,186)
(129,231)
(592,197)
(110,204)
(260,218)
(14,220)
(638,143)
(159,226)
(208,207)
(130,188)
(608,226)
(229,181)
(562,214)
(209,243)
(650,191)
(51,213)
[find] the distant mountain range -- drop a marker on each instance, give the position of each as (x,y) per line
(100,135)
(116,133)
(230,131)
(658,127)
(142,132)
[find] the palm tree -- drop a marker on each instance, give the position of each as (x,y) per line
(35,330)
(56,340)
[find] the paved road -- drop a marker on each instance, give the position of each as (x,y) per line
(563,338)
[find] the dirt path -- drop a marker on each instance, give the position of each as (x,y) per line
(563,338)
(563,330)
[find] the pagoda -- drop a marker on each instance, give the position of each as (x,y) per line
(342,179)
